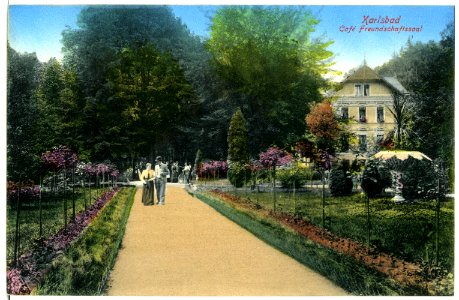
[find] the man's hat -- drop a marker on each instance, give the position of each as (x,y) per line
(158,158)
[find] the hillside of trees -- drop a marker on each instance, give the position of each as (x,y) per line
(135,83)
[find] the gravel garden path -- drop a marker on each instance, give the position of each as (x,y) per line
(185,248)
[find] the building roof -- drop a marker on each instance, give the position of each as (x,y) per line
(364,73)
(395,84)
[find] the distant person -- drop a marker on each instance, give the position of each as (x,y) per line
(175,171)
(161,173)
(147,177)
(186,172)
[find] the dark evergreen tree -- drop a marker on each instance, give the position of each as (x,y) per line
(238,155)
(237,139)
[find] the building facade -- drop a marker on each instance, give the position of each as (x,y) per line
(366,100)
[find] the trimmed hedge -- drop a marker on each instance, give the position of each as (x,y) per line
(85,266)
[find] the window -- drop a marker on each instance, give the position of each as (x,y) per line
(358,90)
(366,90)
(362,90)
(345,113)
(362,114)
(362,143)
(379,139)
(380,114)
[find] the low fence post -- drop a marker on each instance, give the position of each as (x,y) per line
(40,208)
(323,199)
(17,234)
(73,193)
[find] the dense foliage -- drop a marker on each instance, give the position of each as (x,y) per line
(340,181)
(238,155)
(22,74)
(426,70)
(295,176)
(156,64)
(419,180)
(375,178)
(270,66)
(323,125)
(274,156)
(213,170)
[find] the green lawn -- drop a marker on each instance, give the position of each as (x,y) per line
(406,230)
(52,218)
(86,264)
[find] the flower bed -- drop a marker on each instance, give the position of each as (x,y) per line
(430,280)
(31,267)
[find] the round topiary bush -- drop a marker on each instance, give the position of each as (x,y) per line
(340,183)
(419,179)
(375,178)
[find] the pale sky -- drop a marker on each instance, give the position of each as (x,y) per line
(38,29)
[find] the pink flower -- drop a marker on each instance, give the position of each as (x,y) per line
(59,158)
(275,157)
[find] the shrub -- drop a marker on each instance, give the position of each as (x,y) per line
(419,179)
(213,169)
(296,175)
(375,178)
(340,182)
(238,173)
(275,157)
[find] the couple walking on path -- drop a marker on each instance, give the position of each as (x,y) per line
(154,179)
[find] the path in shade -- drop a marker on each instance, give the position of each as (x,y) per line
(186,248)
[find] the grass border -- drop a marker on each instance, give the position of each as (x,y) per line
(343,270)
(119,240)
(85,266)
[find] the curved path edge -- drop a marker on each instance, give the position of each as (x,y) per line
(186,248)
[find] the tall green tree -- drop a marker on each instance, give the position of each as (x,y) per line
(238,154)
(150,94)
(427,71)
(22,80)
(60,103)
(93,48)
(271,68)
(103,31)
(237,139)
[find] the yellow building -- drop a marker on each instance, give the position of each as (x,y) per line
(365,99)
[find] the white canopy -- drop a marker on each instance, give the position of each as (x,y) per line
(401,154)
